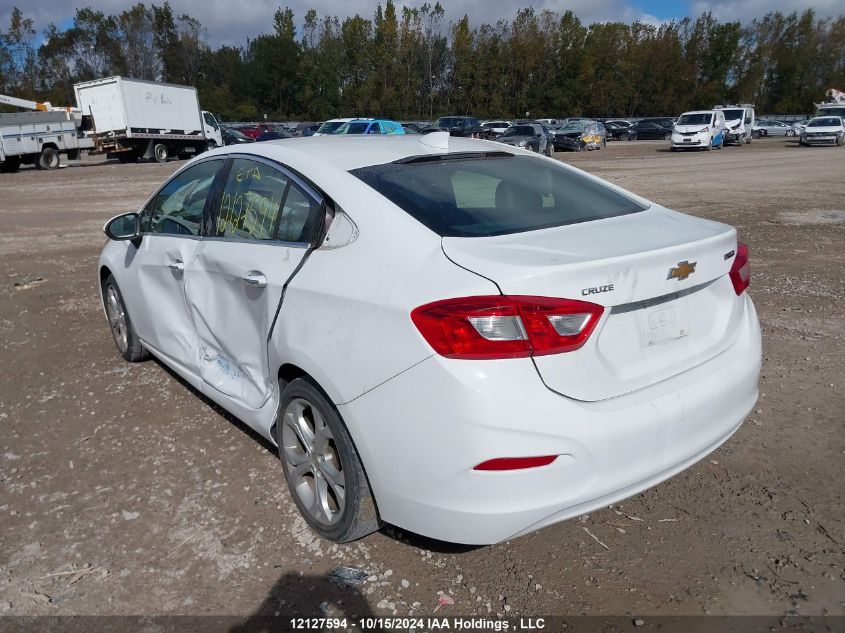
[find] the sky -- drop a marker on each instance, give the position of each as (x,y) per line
(233,21)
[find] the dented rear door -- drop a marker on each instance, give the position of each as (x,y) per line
(262,222)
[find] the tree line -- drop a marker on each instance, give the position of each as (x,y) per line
(415,63)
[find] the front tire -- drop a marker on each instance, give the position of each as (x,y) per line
(127,341)
(321,466)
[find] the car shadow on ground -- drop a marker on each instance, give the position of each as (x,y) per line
(294,596)
(237,422)
(403,536)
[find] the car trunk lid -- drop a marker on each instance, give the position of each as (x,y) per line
(661,276)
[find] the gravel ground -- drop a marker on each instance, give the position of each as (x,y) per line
(125,492)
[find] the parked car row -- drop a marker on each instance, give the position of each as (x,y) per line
(698,129)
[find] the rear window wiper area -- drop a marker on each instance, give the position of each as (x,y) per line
(437,158)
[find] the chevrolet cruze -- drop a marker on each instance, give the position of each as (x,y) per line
(460,338)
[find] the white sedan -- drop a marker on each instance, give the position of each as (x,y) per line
(457,337)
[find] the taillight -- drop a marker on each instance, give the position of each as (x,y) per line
(505,326)
(741,269)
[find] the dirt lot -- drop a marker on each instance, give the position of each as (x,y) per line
(124,492)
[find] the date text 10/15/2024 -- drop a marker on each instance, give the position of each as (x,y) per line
(418,624)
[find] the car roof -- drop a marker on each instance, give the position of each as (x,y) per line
(347,152)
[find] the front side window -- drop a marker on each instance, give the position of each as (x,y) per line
(353,127)
(485,195)
(209,119)
(178,206)
(250,201)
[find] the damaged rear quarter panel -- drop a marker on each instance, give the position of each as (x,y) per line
(345,318)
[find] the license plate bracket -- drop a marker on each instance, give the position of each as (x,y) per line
(664,323)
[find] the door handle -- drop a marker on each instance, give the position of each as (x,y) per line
(255,278)
(176,266)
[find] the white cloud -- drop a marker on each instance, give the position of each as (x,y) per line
(233,21)
(747,10)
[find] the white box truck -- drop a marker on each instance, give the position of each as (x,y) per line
(135,119)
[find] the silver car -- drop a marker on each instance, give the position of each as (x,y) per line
(776,128)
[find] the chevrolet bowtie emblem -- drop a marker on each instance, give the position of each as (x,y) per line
(682,270)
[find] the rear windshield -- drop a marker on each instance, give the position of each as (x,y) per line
(482,196)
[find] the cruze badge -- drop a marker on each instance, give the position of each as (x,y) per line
(682,270)
(596,290)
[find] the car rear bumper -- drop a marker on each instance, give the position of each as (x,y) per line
(421,433)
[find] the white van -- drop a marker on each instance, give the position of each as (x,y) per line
(700,129)
(739,122)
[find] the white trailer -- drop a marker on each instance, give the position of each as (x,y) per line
(135,119)
(39,138)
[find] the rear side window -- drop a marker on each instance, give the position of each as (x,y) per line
(250,201)
(483,196)
(177,208)
(298,213)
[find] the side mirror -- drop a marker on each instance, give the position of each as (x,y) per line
(124,227)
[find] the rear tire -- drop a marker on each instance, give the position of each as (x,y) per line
(11,164)
(49,158)
(624,136)
(321,466)
(123,331)
(161,153)
(668,137)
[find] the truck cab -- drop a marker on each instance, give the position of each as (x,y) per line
(739,123)
(211,130)
(700,129)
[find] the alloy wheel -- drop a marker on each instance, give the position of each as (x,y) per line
(117,318)
(313,462)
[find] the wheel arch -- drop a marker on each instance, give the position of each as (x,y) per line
(287,373)
(103,274)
